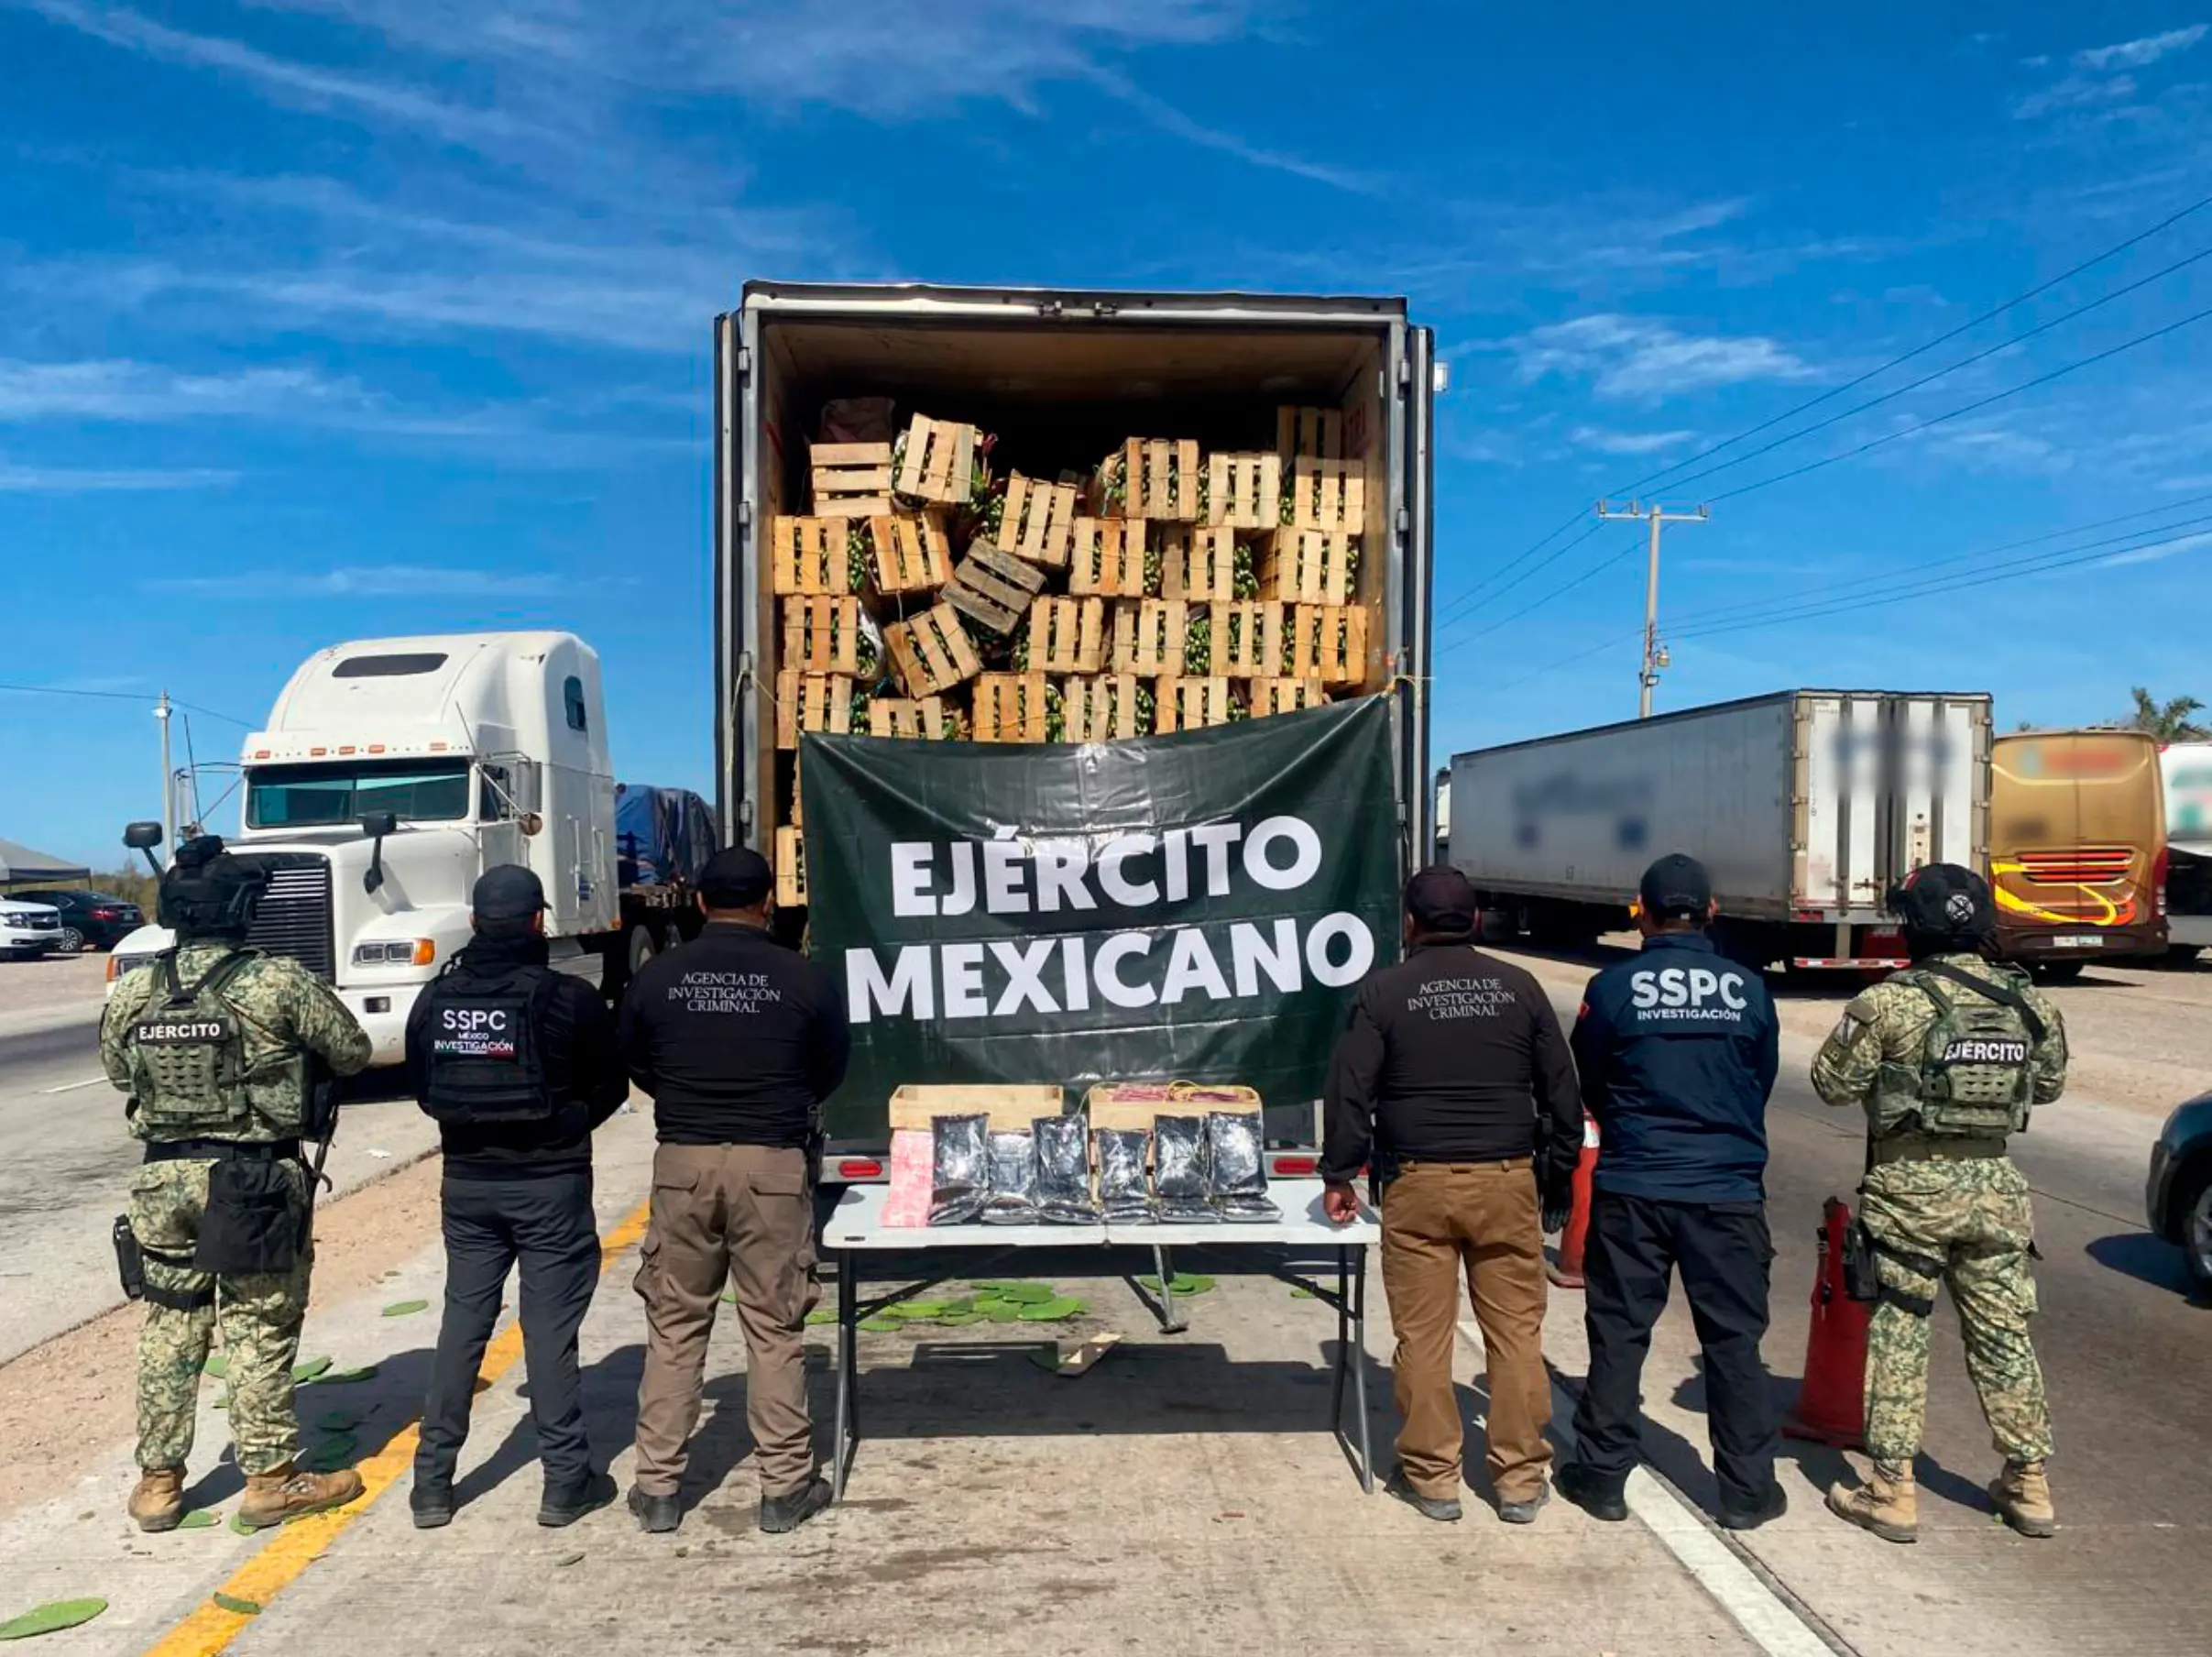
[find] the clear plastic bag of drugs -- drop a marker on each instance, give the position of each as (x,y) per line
(1181,1167)
(1237,1168)
(1123,1197)
(1063,1171)
(960,1153)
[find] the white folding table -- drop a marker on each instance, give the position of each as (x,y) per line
(1294,1250)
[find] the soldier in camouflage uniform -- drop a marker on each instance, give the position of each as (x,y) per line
(213,1042)
(1946,1059)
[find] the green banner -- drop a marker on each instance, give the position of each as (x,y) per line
(1194,908)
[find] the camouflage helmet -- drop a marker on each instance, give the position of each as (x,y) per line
(209,892)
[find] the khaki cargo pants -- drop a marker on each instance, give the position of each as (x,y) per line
(744,1212)
(1443,1222)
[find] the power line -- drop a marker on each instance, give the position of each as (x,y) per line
(1480,588)
(1926,379)
(228,719)
(1979,403)
(1461,610)
(1626,552)
(1922,350)
(124,696)
(1715,613)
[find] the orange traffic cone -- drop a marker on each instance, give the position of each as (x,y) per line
(1566,1271)
(1832,1399)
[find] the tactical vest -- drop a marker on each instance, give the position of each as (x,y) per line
(188,1056)
(487,1056)
(1976,1072)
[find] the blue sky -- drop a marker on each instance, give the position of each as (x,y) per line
(331,318)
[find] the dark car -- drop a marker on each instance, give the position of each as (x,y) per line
(90,918)
(2179,1198)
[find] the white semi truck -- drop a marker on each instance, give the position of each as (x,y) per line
(393,772)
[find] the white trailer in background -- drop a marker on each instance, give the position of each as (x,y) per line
(1805,806)
(392,772)
(2186,768)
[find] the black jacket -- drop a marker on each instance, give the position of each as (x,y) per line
(737,1038)
(1451,1055)
(1677,1048)
(583,1066)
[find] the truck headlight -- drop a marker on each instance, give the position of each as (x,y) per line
(396,952)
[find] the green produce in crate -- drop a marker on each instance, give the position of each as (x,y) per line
(1243,577)
(858,548)
(1197,645)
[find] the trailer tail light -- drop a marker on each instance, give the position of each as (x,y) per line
(1294,1167)
(859,1168)
(2159,865)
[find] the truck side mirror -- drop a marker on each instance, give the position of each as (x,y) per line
(143,837)
(377,825)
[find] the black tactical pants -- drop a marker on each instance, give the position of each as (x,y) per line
(545,1222)
(1723,1251)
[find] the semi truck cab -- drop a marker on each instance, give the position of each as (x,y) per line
(392,772)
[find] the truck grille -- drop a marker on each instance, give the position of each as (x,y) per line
(295,918)
(2078,866)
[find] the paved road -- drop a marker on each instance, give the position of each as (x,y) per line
(66,1164)
(2125,1353)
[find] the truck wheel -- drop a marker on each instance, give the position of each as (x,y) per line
(2197,1230)
(640,949)
(2057,971)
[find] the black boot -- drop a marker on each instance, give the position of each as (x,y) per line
(1599,1497)
(782,1513)
(657,1515)
(565,1504)
(1772,1505)
(432,1503)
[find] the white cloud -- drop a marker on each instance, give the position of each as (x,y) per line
(75,481)
(114,390)
(1628,356)
(1627,443)
(2157,551)
(2135,54)
(2075,92)
(381,581)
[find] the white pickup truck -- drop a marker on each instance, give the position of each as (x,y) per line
(393,772)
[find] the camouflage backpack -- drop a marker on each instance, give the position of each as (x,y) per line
(1976,1071)
(188,1056)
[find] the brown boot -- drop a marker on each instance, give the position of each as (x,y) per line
(1887,1504)
(158,1504)
(286,1492)
(2023,1495)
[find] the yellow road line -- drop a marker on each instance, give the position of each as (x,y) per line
(210,1628)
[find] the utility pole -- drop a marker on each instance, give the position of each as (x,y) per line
(169,779)
(1655,655)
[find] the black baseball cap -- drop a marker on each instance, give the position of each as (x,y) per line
(736,878)
(508,892)
(1944,901)
(1441,902)
(1676,888)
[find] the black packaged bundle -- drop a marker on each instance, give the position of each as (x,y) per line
(1123,1199)
(1063,1171)
(960,1168)
(1013,1179)
(1180,1165)
(1238,1169)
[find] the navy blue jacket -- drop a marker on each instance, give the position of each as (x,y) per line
(1677,1049)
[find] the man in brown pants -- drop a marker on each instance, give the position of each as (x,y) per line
(1453,1080)
(739,1040)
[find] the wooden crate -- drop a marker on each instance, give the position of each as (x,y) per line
(1099,709)
(908,553)
(1284,696)
(1197,562)
(790,867)
(994,589)
(1013,1107)
(1306,566)
(850,480)
(821,636)
(1009,708)
(1067,635)
(1192,704)
(1160,479)
(1248,640)
(1108,560)
(933,652)
(1329,495)
(796,817)
(1148,637)
(928,717)
(806,556)
(811,702)
(1243,490)
(1039,521)
(1316,432)
(938,463)
(1328,642)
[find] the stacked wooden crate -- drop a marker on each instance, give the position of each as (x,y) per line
(1168,588)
